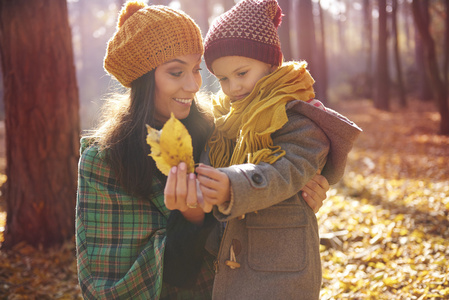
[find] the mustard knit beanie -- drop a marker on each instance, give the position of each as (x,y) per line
(148,36)
(248,29)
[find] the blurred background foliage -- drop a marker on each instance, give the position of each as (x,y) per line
(344,31)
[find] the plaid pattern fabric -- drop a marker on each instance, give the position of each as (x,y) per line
(121,239)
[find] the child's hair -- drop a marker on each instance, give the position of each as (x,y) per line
(249,29)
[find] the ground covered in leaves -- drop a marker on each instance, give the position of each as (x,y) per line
(385,227)
(390,214)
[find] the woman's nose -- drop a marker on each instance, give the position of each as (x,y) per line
(193,83)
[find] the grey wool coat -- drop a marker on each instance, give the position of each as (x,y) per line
(269,247)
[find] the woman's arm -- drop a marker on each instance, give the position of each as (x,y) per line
(187,229)
(120,240)
(184,250)
(314,192)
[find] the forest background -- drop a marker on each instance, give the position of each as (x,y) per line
(383,63)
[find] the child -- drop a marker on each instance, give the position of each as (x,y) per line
(267,143)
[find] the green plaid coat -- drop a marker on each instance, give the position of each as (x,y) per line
(120,240)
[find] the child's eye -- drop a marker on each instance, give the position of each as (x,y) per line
(222,79)
(197,70)
(242,73)
(176,74)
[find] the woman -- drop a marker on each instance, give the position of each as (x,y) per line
(129,244)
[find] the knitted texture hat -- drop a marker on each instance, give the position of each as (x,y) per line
(148,36)
(248,29)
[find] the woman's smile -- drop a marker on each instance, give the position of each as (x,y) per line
(187,101)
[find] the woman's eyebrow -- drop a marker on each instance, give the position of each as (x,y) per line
(179,61)
(175,60)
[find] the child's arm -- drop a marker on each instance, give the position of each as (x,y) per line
(255,187)
(216,188)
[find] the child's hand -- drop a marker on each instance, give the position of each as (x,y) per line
(214,185)
(206,206)
(314,192)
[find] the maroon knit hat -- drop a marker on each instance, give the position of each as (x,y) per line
(248,29)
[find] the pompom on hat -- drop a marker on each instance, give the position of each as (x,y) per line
(248,29)
(148,36)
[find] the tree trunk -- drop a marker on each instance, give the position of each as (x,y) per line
(306,32)
(438,86)
(408,25)
(2,93)
(341,23)
(398,65)
(446,49)
(322,66)
(306,39)
(422,81)
(382,100)
(368,41)
(42,121)
(284,30)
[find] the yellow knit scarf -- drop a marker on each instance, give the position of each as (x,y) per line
(243,129)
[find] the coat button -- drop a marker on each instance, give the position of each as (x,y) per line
(257,178)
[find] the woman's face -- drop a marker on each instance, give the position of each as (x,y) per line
(177,82)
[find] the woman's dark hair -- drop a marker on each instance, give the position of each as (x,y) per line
(123,134)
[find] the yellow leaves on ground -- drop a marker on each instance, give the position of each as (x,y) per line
(2,225)
(29,273)
(389,251)
(393,204)
(391,213)
(171,146)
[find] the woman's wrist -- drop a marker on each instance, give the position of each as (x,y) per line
(194,215)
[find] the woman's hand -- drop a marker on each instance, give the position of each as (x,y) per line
(314,192)
(181,193)
(214,185)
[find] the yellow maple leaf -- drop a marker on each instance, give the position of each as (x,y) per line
(171,146)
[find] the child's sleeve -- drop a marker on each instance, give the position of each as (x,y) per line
(255,187)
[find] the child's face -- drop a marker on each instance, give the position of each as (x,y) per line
(238,75)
